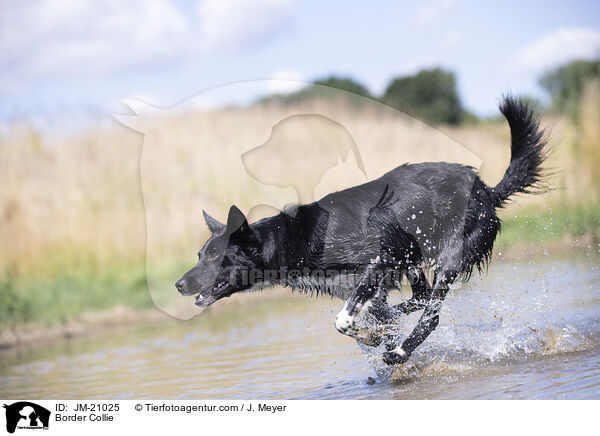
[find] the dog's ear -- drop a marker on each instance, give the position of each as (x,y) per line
(236,221)
(238,227)
(214,226)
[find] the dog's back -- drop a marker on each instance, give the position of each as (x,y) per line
(417,211)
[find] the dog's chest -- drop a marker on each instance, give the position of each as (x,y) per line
(338,285)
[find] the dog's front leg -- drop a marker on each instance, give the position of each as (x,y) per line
(360,300)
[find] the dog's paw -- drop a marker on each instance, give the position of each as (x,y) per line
(395,357)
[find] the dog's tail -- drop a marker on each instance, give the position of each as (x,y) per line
(524,173)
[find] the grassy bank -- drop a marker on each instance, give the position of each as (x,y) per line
(550,224)
(60,295)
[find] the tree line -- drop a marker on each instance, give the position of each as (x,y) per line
(431,95)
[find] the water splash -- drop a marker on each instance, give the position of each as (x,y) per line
(530,316)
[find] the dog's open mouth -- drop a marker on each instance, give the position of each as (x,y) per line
(219,290)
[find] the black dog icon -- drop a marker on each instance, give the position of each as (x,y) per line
(31,413)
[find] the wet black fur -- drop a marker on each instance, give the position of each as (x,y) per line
(430,215)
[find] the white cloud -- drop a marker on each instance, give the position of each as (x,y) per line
(67,39)
(56,35)
(53,37)
(239,24)
(557,48)
(283,82)
(432,11)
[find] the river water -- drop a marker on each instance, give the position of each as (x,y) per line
(527,330)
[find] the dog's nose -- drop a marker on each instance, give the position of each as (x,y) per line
(180,285)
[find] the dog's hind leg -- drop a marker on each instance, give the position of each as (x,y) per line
(385,314)
(421,292)
(381,310)
(428,321)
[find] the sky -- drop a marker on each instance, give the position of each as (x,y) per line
(85,56)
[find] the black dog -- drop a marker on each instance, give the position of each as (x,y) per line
(357,244)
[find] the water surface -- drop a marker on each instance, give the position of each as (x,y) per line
(523,330)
